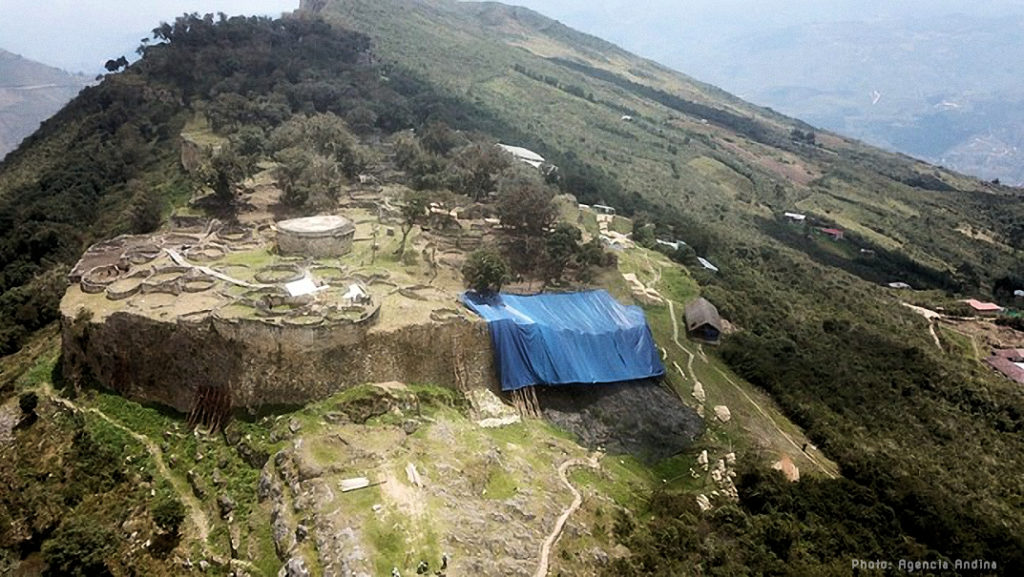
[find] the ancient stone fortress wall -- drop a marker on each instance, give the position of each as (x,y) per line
(169,318)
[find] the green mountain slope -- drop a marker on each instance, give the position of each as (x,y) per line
(473,50)
(30,93)
(928,441)
(845,360)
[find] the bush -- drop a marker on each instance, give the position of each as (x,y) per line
(79,547)
(485,271)
(168,512)
(28,403)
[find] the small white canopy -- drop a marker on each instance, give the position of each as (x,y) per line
(302,287)
(355,293)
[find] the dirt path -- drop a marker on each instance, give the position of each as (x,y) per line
(675,339)
(974,345)
(577,500)
(196,514)
(775,425)
(785,435)
(931,316)
(935,337)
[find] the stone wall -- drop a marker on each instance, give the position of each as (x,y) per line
(191,154)
(318,246)
(167,363)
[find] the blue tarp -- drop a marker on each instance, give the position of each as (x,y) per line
(558,339)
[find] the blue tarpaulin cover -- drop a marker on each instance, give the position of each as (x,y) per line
(558,339)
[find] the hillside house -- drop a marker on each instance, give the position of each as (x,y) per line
(983,308)
(1009,362)
(707,264)
(604,209)
(672,244)
(835,233)
(524,155)
(703,322)
(795,217)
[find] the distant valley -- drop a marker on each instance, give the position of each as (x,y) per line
(935,84)
(30,93)
(946,90)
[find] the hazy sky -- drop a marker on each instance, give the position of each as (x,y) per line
(80,35)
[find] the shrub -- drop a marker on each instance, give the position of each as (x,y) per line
(79,547)
(485,271)
(168,512)
(28,403)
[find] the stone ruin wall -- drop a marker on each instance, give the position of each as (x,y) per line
(259,364)
(324,246)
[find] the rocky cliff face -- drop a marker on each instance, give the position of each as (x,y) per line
(171,363)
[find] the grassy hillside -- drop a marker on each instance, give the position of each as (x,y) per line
(832,346)
(928,443)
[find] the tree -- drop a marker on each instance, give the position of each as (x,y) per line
(438,138)
(324,134)
(423,168)
(115,65)
(414,211)
(526,208)
(315,154)
(592,254)
(475,168)
(562,247)
(222,172)
(485,271)
(361,120)
(145,210)
(525,204)
(643,231)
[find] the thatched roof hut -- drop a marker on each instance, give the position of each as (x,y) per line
(703,321)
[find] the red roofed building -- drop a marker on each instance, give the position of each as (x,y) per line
(984,308)
(835,233)
(1010,362)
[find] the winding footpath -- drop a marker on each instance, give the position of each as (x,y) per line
(775,425)
(196,514)
(931,316)
(577,500)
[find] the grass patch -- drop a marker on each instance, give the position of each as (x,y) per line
(41,372)
(623,479)
(500,485)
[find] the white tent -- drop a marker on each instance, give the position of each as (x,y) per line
(302,287)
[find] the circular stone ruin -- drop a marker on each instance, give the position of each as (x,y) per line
(321,236)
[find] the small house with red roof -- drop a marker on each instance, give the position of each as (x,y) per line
(835,233)
(983,308)
(1009,362)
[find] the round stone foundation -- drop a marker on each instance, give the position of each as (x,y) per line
(323,236)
